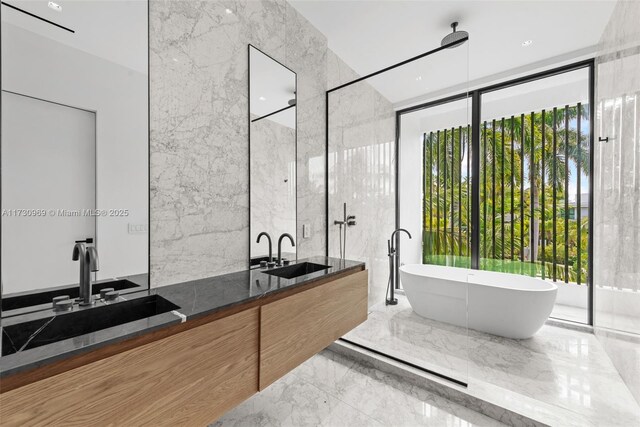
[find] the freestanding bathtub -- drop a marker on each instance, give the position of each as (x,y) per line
(508,305)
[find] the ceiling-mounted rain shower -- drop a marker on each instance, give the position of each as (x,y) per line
(455,36)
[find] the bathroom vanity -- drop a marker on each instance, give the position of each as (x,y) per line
(90,339)
(225,339)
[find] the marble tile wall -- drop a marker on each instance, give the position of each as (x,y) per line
(199,145)
(617,192)
(361,172)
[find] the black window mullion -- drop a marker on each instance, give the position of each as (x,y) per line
(532,184)
(502,192)
(460,145)
(554,181)
(522,188)
(444,199)
(425,178)
(468,224)
(431,185)
(493,189)
(438,193)
(513,187)
(542,196)
(566,194)
(578,194)
(473,226)
(453,188)
(484,187)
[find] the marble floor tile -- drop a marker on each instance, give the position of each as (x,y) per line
(566,369)
(400,332)
(394,402)
(288,402)
(331,390)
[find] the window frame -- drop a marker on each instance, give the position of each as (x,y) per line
(476,104)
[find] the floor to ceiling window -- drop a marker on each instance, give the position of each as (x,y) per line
(534,185)
(534,166)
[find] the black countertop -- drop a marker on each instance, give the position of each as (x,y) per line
(195,298)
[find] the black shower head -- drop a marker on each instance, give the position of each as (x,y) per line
(453,37)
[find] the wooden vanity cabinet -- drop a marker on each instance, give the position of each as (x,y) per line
(194,375)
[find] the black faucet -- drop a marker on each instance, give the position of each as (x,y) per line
(393,265)
(280,245)
(264,233)
(88,257)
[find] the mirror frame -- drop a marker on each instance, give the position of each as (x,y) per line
(249,47)
(148,52)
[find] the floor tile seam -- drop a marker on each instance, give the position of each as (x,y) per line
(335,396)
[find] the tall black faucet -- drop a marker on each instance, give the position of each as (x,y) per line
(264,233)
(393,266)
(88,257)
(293,243)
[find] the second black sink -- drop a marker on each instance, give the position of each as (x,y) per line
(297,270)
(36,333)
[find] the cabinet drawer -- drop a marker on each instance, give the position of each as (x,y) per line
(295,328)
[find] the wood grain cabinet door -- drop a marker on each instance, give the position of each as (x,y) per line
(297,327)
(187,379)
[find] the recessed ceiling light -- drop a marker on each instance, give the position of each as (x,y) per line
(55,6)
(527,43)
(229,11)
(262,98)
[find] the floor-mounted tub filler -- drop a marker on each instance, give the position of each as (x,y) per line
(503,304)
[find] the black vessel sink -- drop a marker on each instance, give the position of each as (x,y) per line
(297,270)
(46,296)
(74,324)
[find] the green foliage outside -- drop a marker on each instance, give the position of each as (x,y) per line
(507,169)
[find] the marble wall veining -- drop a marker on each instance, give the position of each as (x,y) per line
(306,51)
(361,172)
(617,193)
(199,144)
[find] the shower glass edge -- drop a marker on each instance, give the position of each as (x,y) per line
(365,150)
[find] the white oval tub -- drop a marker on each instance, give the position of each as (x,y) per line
(508,305)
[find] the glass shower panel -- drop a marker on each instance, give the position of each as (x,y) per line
(617,206)
(534,185)
(363,173)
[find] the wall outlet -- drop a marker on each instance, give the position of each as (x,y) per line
(138,228)
(306,231)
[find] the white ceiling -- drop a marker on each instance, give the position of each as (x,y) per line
(115,30)
(371,35)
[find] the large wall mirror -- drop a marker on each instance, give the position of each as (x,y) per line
(75,147)
(272,155)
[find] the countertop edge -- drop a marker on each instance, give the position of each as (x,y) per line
(275,293)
